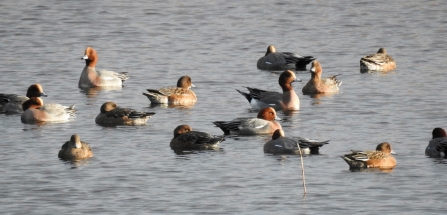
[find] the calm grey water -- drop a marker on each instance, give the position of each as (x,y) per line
(217,43)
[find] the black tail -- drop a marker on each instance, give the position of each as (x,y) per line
(246,95)
(302,62)
(223,125)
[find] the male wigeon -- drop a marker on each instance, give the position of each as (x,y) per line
(180,95)
(279,144)
(111,114)
(380,158)
(264,124)
(187,139)
(287,100)
(379,61)
(34,110)
(75,149)
(435,145)
(277,61)
(320,85)
(12,103)
(90,77)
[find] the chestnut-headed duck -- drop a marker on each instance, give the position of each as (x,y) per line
(287,100)
(12,103)
(187,139)
(265,123)
(34,110)
(277,61)
(111,114)
(320,85)
(379,61)
(436,146)
(180,95)
(279,144)
(75,149)
(90,77)
(379,158)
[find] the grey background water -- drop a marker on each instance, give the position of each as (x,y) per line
(217,43)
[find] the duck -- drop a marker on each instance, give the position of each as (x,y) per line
(111,114)
(180,95)
(279,144)
(380,158)
(187,139)
(264,123)
(321,85)
(379,61)
(75,149)
(436,146)
(277,61)
(287,100)
(34,110)
(12,103)
(90,77)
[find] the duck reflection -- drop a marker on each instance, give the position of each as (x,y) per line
(389,170)
(75,164)
(92,92)
(181,107)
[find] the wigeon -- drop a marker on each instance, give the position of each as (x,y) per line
(277,61)
(187,139)
(111,114)
(379,61)
(12,103)
(75,149)
(180,95)
(34,110)
(287,100)
(90,77)
(436,145)
(380,158)
(279,144)
(264,124)
(320,85)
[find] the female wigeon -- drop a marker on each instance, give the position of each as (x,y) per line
(180,95)
(90,77)
(320,85)
(187,139)
(435,145)
(279,144)
(111,114)
(380,61)
(34,110)
(380,158)
(12,103)
(277,61)
(287,100)
(264,124)
(75,149)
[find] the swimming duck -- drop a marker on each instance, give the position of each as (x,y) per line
(180,95)
(75,149)
(264,123)
(287,100)
(34,110)
(379,158)
(187,139)
(380,61)
(111,114)
(436,146)
(12,103)
(90,77)
(279,144)
(277,61)
(320,85)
